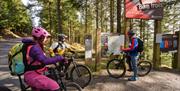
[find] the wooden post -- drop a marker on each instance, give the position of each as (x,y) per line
(126,24)
(178,52)
(98,38)
(175,55)
(119,16)
(175,60)
(156,49)
(126,29)
(98,49)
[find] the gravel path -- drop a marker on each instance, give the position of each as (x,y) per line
(155,81)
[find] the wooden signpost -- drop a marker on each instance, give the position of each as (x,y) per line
(156,48)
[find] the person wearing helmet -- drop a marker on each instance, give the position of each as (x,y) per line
(133,53)
(35,78)
(59,48)
(62,37)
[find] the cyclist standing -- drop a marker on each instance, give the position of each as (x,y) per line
(59,48)
(133,53)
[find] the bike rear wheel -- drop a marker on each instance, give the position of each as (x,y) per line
(144,67)
(71,86)
(116,68)
(81,75)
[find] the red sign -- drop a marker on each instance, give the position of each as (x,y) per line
(144,9)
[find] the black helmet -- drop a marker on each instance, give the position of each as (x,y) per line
(131,32)
(61,37)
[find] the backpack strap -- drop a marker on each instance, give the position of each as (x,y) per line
(59,45)
(16,53)
(28,63)
(55,49)
(27,54)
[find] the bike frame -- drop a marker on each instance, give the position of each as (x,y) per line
(22,85)
(126,55)
(71,61)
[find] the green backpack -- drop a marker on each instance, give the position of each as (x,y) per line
(17,58)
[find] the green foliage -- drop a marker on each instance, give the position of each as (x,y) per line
(14,15)
(166,59)
(3,14)
(69,17)
(171,17)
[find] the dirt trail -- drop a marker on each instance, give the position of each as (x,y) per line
(155,81)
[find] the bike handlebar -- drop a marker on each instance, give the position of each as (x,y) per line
(124,53)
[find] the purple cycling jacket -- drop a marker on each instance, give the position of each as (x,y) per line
(37,53)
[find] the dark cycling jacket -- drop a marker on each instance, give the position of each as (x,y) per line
(132,47)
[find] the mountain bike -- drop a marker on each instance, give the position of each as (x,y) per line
(55,74)
(77,73)
(116,67)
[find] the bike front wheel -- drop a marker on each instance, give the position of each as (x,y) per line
(81,75)
(71,86)
(116,68)
(144,67)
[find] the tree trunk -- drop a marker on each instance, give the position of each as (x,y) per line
(98,38)
(141,28)
(119,16)
(112,16)
(86,21)
(127,25)
(102,14)
(156,51)
(97,14)
(147,37)
(70,31)
(50,20)
(131,24)
(59,14)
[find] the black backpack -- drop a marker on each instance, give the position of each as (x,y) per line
(140,47)
(55,49)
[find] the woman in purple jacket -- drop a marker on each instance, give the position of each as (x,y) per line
(35,78)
